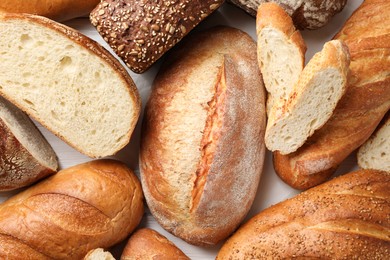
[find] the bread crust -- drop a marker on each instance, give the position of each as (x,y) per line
(87,206)
(345,218)
(202,147)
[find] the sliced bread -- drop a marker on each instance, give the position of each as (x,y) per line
(311,103)
(25,155)
(280,52)
(68,83)
(375,152)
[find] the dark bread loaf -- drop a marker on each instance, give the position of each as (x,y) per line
(141,31)
(202,147)
(367,35)
(346,218)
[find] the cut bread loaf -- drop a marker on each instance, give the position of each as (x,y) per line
(375,152)
(312,101)
(68,83)
(25,155)
(99,254)
(280,52)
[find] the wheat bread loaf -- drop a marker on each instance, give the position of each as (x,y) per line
(202,146)
(68,83)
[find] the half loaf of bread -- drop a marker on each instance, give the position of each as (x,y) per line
(68,83)
(25,155)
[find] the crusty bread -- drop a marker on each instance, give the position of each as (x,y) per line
(307,14)
(202,147)
(147,244)
(280,52)
(367,35)
(375,152)
(59,10)
(68,83)
(87,206)
(311,102)
(346,218)
(99,254)
(141,31)
(25,156)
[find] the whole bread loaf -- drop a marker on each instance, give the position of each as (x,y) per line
(87,206)
(68,83)
(346,218)
(367,34)
(202,147)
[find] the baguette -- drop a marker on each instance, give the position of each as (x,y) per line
(75,88)
(26,156)
(147,244)
(367,34)
(141,31)
(59,10)
(307,14)
(202,146)
(91,205)
(346,218)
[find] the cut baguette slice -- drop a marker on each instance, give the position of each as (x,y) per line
(99,254)
(25,156)
(68,83)
(321,85)
(375,152)
(280,52)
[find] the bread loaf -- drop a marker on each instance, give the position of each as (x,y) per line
(98,254)
(358,113)
(202,146)
(59,10)
(346,218)
(68,83)
(91,205)
(307,14)
(25,156)
(147,244)
(141,31)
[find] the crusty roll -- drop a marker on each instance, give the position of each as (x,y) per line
(141,31)
(147,244)
(346,218)
(202,147)
(91,205)
(59,10)
(361,109)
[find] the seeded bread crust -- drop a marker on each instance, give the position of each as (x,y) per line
(140,32)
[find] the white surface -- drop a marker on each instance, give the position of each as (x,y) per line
(271,189)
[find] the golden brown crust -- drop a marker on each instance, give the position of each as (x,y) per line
(345,218)
(148,244)
(91,205)
(361,109)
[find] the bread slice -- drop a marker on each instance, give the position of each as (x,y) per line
(321,85)
(25,155)
(280,51)
(375,152)
(99,254)
(68,83)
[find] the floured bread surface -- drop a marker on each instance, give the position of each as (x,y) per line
(68,83)
(375,153)
(311,103)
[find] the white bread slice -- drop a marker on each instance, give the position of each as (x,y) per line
(68,83)
(25,155)
(321,85)
(375,152)
(280,52)
(99,254)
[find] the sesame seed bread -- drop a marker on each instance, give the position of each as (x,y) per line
(306,14)
(202,146)
(25,155)
(280,52)
(367,100)
(312,101)
(141,31)
(68,83)
(375,152)
(99,254)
